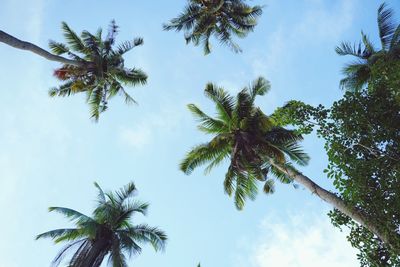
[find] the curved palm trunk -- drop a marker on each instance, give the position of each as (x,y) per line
(338,203)
(14,42)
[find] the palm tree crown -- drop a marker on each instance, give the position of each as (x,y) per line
(247,137)
(102,73)
(358,72)
(108,232)
(202,19)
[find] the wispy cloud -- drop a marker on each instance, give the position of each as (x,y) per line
(153,126)
(137,137)
(27,20)
(322,22)
(302,240)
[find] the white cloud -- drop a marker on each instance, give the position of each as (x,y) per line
(323,22)
(32,14)
(138,137)
(153,126)
(302,241)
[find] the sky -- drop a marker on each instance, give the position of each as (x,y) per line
(51,152)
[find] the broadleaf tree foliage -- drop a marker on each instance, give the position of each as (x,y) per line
(108,232)
(362,140)
(223,19)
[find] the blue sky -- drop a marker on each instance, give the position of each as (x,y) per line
(51,153)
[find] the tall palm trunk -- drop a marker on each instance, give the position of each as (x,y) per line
(14,42)
(94,257)
(388,237)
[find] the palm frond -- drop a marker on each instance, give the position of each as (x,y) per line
(185,20)
(206,40)
(279,135)
(64,234)
(218,160)
(229,186)
(386,25)
(71,214)
(62,253)
(101,197)
(204,153)
(357,76)
(128,98)
(129,210)
(128,244)
(224,37)
(63,90)
(129,190)
(128,45)
(369,46)
(224,102)
(245,188)
(73,40)
(295,153)
(395,42)
(112,33)
(58,48)
(346,49)
(152,235)
(92,44)
(207,124)
(95,102)
(269,186)
(260,86)
(131,76)
(282,176)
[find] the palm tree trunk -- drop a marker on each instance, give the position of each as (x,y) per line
(94,257)
(14,42)
(391,239)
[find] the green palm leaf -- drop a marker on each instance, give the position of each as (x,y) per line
(73,215)
(224,102)
(73,39)
(385,25)
(153,235)
(207,124)
(61,234)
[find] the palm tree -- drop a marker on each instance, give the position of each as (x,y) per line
(108,232)
(358,72)
(94,65)
(257,151)
(202,19)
